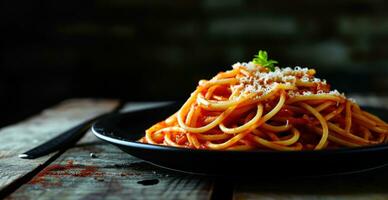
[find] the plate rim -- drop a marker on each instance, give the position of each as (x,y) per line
(135,144)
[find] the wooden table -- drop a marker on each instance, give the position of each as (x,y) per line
(93,169)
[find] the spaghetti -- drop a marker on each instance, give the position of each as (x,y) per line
(253,107)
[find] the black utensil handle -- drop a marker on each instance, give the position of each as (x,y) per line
(61,141)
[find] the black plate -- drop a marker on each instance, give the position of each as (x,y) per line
(123,130)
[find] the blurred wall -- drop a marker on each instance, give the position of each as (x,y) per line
(143,50)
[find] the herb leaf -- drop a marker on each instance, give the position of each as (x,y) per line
(262,59)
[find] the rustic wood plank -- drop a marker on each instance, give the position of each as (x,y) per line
(113,174)
(110,174)
(367,185)
(18,138)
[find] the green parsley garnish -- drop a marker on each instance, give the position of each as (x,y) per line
(262,59)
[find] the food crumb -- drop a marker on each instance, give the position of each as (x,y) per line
(92,155)
(100,179)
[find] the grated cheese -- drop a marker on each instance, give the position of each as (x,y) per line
(262,81)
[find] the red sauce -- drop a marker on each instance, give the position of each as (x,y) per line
(56,171)
(285,112)
(323,87)
(293,120)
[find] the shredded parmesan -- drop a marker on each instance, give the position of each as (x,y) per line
(298,81)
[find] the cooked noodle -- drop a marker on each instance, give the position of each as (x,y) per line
(251,107)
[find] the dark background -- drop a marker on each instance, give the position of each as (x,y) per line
(143,50)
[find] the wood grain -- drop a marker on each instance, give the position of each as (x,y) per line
(366,185)
(110,174)
(22,136)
